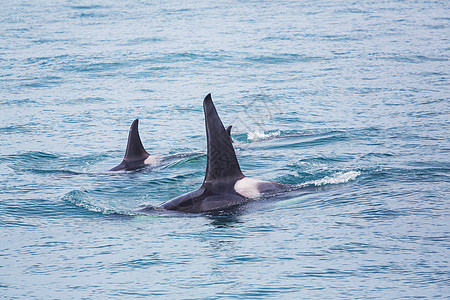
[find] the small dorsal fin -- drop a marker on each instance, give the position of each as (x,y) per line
(222,163)
(135,155)
(135,149)
(229,133)
(229,130)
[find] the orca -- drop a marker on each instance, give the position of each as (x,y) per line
(224,186)
(135,155)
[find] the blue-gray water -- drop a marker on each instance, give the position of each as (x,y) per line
(352,98)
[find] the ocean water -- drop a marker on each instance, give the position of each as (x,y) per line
(348,99)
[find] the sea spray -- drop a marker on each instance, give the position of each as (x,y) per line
(337,178)
(258,135)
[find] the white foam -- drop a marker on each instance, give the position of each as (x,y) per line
(257,135)
(336,179)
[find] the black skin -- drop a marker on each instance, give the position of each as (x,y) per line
(135,154)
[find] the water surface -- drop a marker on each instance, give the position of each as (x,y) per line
(348,98)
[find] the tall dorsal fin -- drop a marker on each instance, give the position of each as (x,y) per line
(222,163)
(135,155)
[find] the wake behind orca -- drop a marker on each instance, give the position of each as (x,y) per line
(224,186)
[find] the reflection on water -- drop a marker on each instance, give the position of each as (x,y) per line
(225,220)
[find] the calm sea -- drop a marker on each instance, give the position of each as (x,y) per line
(350,98)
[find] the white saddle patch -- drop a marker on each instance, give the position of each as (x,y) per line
(248,187)
(152,160)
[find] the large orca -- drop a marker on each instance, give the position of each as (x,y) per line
(224,186)
(135,155)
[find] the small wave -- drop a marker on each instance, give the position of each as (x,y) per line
(50,172)
(336,179)
(260,135)
(82,200)
(33,155)
(189,160)
(79,198)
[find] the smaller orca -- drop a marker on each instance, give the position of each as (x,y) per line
(135,156)
(224,186)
